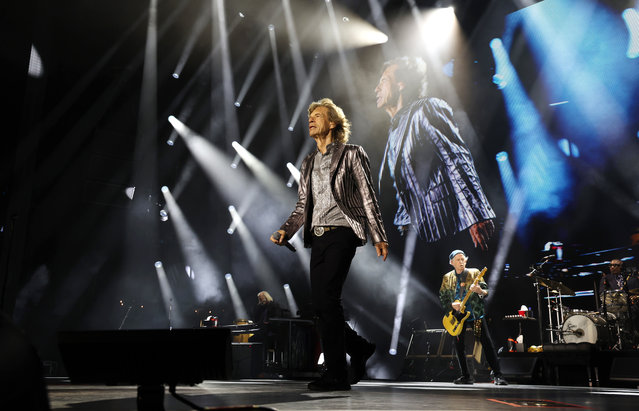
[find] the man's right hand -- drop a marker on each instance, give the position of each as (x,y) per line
(481,233)
(456,305)
(282,238)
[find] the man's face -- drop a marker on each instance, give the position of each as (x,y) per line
(615,267)
(318,123)
(459,262)
(387,90)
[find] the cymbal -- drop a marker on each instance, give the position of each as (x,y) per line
(555,285)
(634,291)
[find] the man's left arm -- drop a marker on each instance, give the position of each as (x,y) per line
(362,174)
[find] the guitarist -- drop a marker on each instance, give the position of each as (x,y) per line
(455,285)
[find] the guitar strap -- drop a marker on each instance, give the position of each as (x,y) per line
(459,290)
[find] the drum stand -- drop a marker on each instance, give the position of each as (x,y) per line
(618,346)
(613,330)
(559,317)
(539,316)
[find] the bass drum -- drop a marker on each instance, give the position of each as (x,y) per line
(589,328)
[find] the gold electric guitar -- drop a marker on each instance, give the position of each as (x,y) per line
(454,322)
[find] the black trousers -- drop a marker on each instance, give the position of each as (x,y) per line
(487,346)
(331,256)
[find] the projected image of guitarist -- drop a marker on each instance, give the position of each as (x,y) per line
(462,297)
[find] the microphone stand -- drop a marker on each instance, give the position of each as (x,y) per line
(170,312)
(126,315)
(539,313)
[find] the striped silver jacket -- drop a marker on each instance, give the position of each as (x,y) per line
(352,189)
(437,187)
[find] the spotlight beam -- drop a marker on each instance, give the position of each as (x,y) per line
(199,72)
(346,71)
(510,228)
(206,285)
(256,64)
(174,316)
(265,176)
(199,26)
(230,119)
(290,299)
(256,123)
(236,299)
(282,109)
(298,63)
(305,94)
(409,252)
(261,267)
(308,146)
(214,163)
(295,173)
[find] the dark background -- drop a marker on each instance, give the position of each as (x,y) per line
(78,254)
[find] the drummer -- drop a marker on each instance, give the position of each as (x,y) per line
(613,281)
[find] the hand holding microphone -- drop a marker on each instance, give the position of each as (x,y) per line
(276,236)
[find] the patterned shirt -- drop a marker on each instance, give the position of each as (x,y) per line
(325,209)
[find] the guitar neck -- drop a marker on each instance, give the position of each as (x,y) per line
(479,277)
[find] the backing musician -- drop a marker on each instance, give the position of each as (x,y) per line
(614,279)
(616,298)
(611,289)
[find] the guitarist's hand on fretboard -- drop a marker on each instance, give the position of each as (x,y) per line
(477,289)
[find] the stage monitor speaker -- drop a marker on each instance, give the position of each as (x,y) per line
(521,368)
(625,369)
(143,357)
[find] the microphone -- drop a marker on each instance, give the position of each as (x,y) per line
(277,235)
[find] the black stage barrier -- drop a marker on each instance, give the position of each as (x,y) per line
(147,358)
(573,364)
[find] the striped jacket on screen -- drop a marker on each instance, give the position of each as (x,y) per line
(437,187)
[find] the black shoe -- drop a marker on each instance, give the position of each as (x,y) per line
(464,380)
(329,384)
(358,362)
(500,381)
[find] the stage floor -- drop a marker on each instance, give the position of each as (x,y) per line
(367,395)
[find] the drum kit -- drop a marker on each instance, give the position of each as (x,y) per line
(609,327)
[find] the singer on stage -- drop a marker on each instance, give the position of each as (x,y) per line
(338,208)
